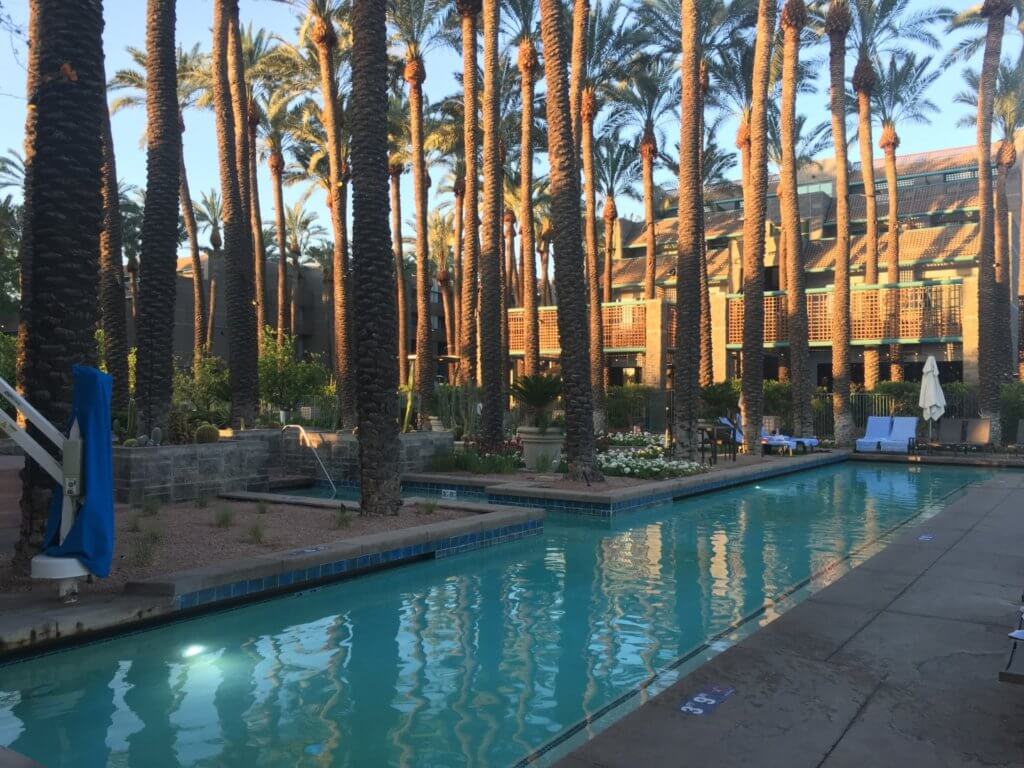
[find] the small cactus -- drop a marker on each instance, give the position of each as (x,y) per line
(206,433)
(156,437)
(142,441)
(132,426)
(131,442)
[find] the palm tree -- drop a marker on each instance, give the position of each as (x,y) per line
(492,370)
(237,234)
(690,210)
(617,171)
(754,207)
(278,121)
(210,216)
(565,213)
(523,19)
(880,26)
(898,98)
(373,274)
(441,230)
(416,24)
(1008,113)
(191,66)
(468,11)
(837,27)
(303,232)
(64,152)
(649,95)
(578,68)
(398,159)
(155,369)
(794,18)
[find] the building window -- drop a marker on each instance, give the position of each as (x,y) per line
(771,278)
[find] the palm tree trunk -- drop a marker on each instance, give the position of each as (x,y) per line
(296,302)
(690,210)
(837,26)
(707,366)
(426,358)
(112,308)
(212,304)
(890,141)
(258,247)
(460,199)
(372,265)
(446,308)
(995,11)
(395,174)
(1020,285)
(241,315)
(578,69)
(648,149)
(531,326)
(159,261)
(276,164)
(595,316)
(325,39)
(468,10)
(506,302)
(863,86)
(754,202)
(545,279)
(565,215)
(61,278)
(1006,157)
(511,273)
(188,215)
(610,215)
(794,17)
(491,357)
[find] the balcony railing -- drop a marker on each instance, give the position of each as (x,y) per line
(625,328)
(929,311)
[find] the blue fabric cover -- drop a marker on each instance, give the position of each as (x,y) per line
(91,538)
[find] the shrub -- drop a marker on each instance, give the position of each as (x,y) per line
(904,395)
(150,506)
(144,548)
(538,395)
(204,392)
(256,533)
(134,524)
(625,405)
(469,460)
(427,507)
(206,433)
(225,517)
(1012,410)
(131,442)
(202,501)
(778,401)
(262,507)
(720,399)
(342,518)
(285,381)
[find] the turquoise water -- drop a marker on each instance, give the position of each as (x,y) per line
(350,493)
(480,659)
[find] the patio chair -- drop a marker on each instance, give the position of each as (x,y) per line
(779,440)
(1017,445)
(903,436)
(878,428)
(950,435)
(978,435)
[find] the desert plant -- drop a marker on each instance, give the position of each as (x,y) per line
(426,507)
(262,507)
(150,506)
(469,460)
(202,501)
(256,533)
(625,405)
(225,517)
(144,548)
(131,442)
(537,394)
(206,433)
(134,524)
(342,518)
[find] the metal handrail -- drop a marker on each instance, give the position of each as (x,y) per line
(303,435)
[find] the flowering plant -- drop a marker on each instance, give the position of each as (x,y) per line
(649,462)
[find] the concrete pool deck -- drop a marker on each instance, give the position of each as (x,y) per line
(894,664)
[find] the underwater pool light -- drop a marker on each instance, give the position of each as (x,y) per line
(192,650)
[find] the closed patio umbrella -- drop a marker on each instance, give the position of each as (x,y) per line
(931,400)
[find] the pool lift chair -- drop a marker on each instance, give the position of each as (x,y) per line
(68,476)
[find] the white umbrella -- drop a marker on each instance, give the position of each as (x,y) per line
(931,400)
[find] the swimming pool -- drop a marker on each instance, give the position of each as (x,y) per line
(484,659)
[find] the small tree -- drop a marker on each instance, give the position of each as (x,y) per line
(284,381)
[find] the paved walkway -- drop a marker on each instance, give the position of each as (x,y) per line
(894,664)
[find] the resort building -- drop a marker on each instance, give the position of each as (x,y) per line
(939,244)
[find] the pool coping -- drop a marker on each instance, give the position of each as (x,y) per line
(41,625)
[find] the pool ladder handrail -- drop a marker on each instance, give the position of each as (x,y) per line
(303,435)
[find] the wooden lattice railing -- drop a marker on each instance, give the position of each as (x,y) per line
(625,328)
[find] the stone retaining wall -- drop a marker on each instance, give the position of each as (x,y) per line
(340,453)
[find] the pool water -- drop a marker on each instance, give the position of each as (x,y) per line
(482,659)
(351,493)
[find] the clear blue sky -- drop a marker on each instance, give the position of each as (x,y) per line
(125,20)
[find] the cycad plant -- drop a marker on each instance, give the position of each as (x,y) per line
(538,395)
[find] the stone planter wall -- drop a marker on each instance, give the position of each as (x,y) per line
(340,453)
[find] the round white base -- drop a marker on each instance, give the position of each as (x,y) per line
(47,567)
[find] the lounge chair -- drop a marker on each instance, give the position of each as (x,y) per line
(903,436)
(878,428)
(780,442)
(950,435)
(803,443)
(978,435)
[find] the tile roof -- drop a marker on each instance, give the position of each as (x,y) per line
(946,243)
(631,271)
(918,200)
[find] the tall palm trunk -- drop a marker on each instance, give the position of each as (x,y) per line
(507,247)
(491,357)
(1006,157)
(426,359)
(444,288)
(565,216)
(112,311)
(690,209)
(531,325)
(259,249)
(889,142)
(995,12)
(794,17)
(395,174)
(372,265)
(243,157)
(544,252)
(578,69)
(212,304)
(1020,286)
(188,216)
(754,202)
(276,164)
(155,369)
(325,38)
(241,315)
(610,215)
(837,26)
(707,364)
(863,85)
(648,149)
(468,10)
(60,279)
(511,273)
(460,201)
(597,362)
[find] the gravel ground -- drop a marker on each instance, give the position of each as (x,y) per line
(179,537)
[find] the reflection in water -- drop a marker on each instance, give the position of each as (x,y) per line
(476,660)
